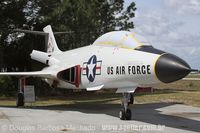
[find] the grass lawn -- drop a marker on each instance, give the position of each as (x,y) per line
(185,92)
(193,76)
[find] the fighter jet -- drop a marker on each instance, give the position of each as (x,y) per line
(117,59)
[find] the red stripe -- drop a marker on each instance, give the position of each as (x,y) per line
(98,67)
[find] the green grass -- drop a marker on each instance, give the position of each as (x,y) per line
(86,98)
(185,92)
(183,97)
(193,76)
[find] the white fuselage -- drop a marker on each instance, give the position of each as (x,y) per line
(115,67)
(117,59)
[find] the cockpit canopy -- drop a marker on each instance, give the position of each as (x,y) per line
(121,39)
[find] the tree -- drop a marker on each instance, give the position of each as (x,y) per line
(87,19)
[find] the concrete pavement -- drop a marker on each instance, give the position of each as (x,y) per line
(146,118)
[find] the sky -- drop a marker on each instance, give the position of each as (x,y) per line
(170,25)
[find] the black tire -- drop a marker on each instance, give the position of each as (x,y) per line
(122,115)
(128,114)
(20,99)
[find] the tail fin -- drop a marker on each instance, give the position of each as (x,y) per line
(50,40)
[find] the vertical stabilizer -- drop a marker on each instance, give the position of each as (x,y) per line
(50,40)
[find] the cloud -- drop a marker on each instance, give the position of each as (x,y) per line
(171,30)
(184,6)
(155,23)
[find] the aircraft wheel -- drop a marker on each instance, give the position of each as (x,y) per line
(122,115)
(125,115)
(128,114)
(20,99)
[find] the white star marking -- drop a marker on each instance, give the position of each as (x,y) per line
(90,68)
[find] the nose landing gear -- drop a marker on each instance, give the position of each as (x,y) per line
(125,112)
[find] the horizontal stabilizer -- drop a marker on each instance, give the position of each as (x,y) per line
(94,88)
(50,42)
(41,32)
(31,32)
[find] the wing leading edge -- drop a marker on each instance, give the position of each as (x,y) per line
(31,74)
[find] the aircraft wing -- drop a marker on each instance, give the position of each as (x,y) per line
(32,74)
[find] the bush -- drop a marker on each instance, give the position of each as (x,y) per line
(8,86)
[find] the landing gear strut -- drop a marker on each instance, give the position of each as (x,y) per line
(20,95)
(125,112)
(20,99)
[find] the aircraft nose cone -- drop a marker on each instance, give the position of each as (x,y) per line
(169,68)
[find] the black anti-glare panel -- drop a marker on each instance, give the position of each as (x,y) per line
(149,49)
